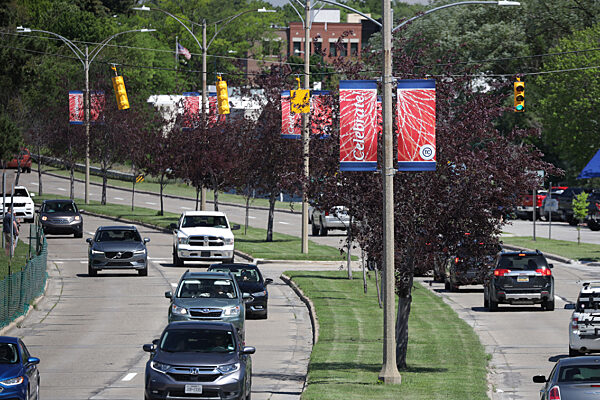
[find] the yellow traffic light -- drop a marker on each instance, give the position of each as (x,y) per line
(119,86)
(519,89)
(222,97)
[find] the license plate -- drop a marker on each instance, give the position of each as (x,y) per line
(205,254)
(522,279)
(197,389)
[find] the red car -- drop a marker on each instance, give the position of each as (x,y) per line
(24,161)
(525,210)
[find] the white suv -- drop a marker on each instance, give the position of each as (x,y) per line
(584,328)
(22,203)
(203,236)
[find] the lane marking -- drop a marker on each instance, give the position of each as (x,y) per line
(129,376)
(186,208)
(90,233)
(66,259)
(250,217)
(83,262)
(173,284)
(37,184)
(158,259)
(118,198)
(284,223)
(62,189)
(151,203)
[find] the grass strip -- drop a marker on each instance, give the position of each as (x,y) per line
(572,250)
(283,247)
(445,358)
(18,261)
(174,188)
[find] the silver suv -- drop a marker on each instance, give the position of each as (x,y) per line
(323,221)
(584,329)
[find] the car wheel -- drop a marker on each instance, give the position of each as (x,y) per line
(573,221)
(486,304)
(573,352)
(264,315)
(37,391)
(92,271)
(78,235)
(178,262)
(315,229)
(447,286)
(548,305)
(322,229)
(143,272)
(493,305)
(594,225)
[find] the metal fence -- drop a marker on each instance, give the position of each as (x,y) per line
(20,288)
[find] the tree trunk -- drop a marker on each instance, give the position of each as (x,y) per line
(18,169)
(215,193)
(404,303)
(246,220)
(133,193)
(349,257)
(272,199)
(72,180)
(578,235)
(162,184)
(378,287)
(104,183)
(40,191)
(364,270)
(197,196)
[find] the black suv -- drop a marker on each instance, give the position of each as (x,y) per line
(197,360)
(520,278)
(61,217)
(565,205)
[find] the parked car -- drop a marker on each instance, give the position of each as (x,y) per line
(324,221)
(117,247)
(525,209)
(584,329)
(593,218)
(467,268)
(576,378)
(565,205)
(250,281)
(19,374)
(555,191)
(520,278)
(208,296)
(23,161)
(198,360)
(22,202)
(61,217)
(203,236)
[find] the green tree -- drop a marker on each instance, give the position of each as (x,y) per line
(11,139)
(580,211)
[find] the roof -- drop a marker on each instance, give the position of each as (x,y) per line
(8,339)
(590,287)
(579,360)
(592,169)
(58,201)
(193,213)
(234,266)
(216,325)
(205,274)
(114,227)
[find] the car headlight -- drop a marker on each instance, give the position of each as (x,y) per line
(139,252)
(44,218)
(175,309)
(183,239)
(231,311)
(228,241)
(96,252)
(12,381)
(259,294)
(77,218)
(160,367)
(229,368)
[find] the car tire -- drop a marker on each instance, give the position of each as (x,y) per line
(486,304)
(548,305)
(92,271)
(594,225)
(322,229)
(37,391)
(143,272)
(178,262)
(492,305)
(78,235)
(28,170)
(264,315)
(573,352)
(573,221)
(30,220)
(315,229)
(446,286)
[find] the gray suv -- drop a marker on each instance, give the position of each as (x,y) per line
(198,360)
(117,247)
(208,296)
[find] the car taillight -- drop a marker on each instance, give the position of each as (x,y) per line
(554,393)
(456,260)
(326,213)
(501,272)
(544,271)
(575,322)
(598,206)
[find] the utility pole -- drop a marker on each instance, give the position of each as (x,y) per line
(204,98)
(305,135)
(86,67)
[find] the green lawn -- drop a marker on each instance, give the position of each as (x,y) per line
(583,251)
(283,247)
(17,263)
(173,188)
(445,358)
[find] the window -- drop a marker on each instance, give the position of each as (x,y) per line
(354,49)
(207,288)
(297,48)
(344,50)
(212,221)
(318,47)
(332,50)
(198,340)
(118,235)
(266,45)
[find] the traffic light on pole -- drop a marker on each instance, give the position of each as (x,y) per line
(222,96)
(119,86)
(519,89)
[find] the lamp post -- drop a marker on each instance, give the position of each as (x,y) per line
(204,48)
(86,59)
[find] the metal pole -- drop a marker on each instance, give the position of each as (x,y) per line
(3,203)
(87,126)
(348,256)
(204,50)
(533,216)
(549,212)
(389,371)
(305,137)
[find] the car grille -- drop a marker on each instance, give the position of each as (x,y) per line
(206,393)
(115,254)
(59,220)
(16,205)
(206,312)
(213,241)
(194,378)
(118,264)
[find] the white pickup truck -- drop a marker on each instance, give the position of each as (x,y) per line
(203,236)
(22,204)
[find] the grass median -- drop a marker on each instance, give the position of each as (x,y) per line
(564,248)
(445,358)
(18,261)
(283,247)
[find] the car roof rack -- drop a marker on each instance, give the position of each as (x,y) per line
(592,283)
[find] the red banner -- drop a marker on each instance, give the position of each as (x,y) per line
(77,109)
(416,124)
(191,110)
(358,125)
(290,122)
(320,118)
(213,114)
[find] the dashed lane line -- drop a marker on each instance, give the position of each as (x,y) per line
(129,376)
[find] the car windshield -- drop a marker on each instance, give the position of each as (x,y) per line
(59,207)
(523,262)
(211,221)
(207,288)
(241,274)
(18,193)
(579,373)
(8,353)
(198,340)
(117,235)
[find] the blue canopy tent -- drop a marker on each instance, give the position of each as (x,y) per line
(592,169)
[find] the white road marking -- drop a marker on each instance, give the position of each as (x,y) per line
(249,217)
(189,208)
(151,203)
(158,259)
(37,184)
(60,262)
(129,376)
(92,233)
(284,223)
(174,284)
(62,189)
(68,259)
(83,262)
(120,198)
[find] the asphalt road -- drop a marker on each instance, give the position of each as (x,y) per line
(557,231)
(88,332)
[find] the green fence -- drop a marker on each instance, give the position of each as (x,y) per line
(20,288)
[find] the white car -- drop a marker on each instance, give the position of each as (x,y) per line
(22,204)
(322,222)
(203,236)
(584,328)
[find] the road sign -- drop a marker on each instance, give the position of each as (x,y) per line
(551,205)
(139,178)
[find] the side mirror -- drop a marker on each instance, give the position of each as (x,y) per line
(33,360)
(570,306)
(89,240)
(235,227)
(146,240)
(37,210)
(81,210)
(248,350)
(246,296)
(550,266)
(268,281)
(169,294)
(31,194)
(172,226)
(155,342)
(539,379)
(149,348)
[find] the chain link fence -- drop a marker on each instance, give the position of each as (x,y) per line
(20,288)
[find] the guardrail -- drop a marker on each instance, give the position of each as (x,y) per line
(56,162)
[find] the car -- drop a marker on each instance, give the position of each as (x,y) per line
(198,360)
(61,217)
(117,247)
(19,374)
(324,221)
(584,330)
(574,378)
(525,209)
(565,205)
(208,296)
(519,277)
(250,281)
(554,192)
(23,161)
(203,236)
(22,201)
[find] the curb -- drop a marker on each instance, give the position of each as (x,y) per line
(18,320)
(548,255)
(309,304)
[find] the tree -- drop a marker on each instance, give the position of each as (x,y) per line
(10,139)
(580,211)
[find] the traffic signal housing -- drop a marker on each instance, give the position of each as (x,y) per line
(519,89)
(222,97)
(119,86)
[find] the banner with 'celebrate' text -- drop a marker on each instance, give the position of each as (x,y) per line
(290,122)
